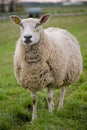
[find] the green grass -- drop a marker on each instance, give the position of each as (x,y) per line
(16,103)
(64,9)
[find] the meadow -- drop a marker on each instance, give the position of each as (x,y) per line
(64,9)
(16,103)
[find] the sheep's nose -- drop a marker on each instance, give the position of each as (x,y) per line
(28,39)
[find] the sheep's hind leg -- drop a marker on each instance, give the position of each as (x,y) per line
(34,99)
(62,94)
(50,99)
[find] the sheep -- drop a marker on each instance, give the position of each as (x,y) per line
(45,58)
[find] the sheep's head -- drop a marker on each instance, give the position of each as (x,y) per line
(30,28)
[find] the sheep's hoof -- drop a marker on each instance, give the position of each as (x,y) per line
(60,107)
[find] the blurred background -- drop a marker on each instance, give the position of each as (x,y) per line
(34,8)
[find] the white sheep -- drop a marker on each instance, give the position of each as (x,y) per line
(45,58)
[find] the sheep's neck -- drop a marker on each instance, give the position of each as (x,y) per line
(35,53)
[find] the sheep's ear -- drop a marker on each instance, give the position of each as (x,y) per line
(44,18)
(15,19)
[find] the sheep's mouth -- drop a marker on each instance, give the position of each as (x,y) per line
(27,41)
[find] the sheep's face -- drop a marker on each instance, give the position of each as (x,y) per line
(30,28)
(30,31)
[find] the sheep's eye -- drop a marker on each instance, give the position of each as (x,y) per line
(36,30)
(21,25)
(36,27)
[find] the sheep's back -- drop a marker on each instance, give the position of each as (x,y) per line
(61,37)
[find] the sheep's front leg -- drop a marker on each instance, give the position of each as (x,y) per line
(62,94)
(50,99)
(34,99)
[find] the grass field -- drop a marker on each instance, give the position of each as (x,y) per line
(16,103)
(64,9)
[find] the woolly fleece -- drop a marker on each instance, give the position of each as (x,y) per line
(55,60)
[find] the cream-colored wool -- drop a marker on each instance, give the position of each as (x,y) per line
(55,60)
(45,58)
